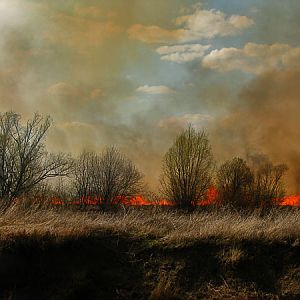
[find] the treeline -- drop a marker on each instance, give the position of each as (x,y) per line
(188,170)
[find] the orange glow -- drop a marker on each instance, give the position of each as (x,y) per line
(291,201)
(211,197)
(56,201)
(137,200)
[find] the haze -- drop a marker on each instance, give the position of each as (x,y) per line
(134,73)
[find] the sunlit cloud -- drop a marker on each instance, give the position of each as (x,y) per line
(253,58)
(182,53)
(202,24)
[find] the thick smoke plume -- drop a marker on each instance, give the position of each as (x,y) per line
(266,120)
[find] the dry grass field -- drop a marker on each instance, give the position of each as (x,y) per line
(149,253)
(165,224)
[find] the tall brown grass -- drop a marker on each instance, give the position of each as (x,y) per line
(165,225)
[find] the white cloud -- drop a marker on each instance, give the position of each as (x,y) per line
(252,58)
(212,23)
(155,89)
(182,53)
(202,24)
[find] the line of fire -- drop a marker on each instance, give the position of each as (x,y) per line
(210,199)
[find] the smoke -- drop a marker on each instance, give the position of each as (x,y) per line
(265,120)
(73,60)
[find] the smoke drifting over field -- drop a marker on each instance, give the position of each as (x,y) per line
(265,120)
(135,73)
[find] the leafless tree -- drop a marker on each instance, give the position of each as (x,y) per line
(234,183)
(24,162)
(268,188)
(84,175)
(109,176)
(258,186)
(118,177)
(187,168)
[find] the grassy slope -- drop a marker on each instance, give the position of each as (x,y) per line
(140,254)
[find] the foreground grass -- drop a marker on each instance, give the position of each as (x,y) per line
(165,225)
(149,253)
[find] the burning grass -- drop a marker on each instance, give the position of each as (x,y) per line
(293,200)
(165,225)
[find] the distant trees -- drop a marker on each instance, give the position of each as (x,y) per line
(24,161)
(243,187)
(108,176)
(187,168)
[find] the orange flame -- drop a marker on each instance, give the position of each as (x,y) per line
(291,200)
(211,197)
(137,200)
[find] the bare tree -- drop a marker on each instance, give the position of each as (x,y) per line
(118,177)
(24,162)
(268,188)
(234,183)
(109,176)
(187,168)
(244,187)
(84,176)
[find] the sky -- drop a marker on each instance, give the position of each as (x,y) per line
(134,73)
